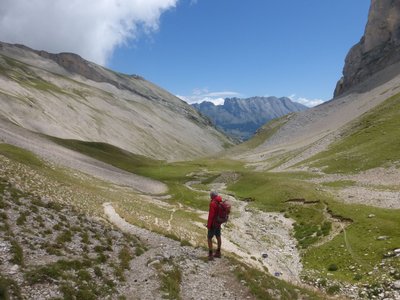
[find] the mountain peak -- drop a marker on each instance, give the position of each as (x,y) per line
(241,117)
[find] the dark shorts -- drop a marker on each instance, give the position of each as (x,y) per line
(214,231)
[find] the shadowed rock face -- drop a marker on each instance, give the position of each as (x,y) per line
(377,49)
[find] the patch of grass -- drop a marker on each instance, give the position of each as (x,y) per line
(172,174)
(210,179)
(9,289)
(125,256)
(53,249)
(185,243)
(109,154)
(26,76)
(3,216)
(332,267)
(17,252)
(55,271)
(262,135)
(20,155)
(171,277)
(357,245)
(97,271)
(64,237)
(85,237)
(264,286)
(139,250)
(333,289)
(172,236)
(326,228)
(371,141)
(339,183)
(84,275)
(22,218)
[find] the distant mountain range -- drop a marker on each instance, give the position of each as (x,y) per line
(240,118)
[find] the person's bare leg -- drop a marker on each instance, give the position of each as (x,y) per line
(219,243)
(218,252)
(210,251)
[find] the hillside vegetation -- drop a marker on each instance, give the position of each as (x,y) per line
(330,234)
(369,142)
(49,202)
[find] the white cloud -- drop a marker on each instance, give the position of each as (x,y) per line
(305,101)
(201,95)
(90,28)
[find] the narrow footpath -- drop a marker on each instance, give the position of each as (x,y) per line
(197,273)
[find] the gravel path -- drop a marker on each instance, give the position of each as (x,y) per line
(196,273)
(260,239)
(49,151)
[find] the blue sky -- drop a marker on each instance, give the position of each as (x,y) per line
(211,49)
(201,49)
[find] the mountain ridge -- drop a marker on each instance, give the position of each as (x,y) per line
(242,117)
(65,96)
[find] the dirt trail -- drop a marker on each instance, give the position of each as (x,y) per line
(196,272)
(260,239)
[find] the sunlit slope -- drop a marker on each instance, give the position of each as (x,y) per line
(371,141)
(305,134)
(68,97)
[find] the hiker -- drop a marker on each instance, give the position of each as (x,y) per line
(214,228)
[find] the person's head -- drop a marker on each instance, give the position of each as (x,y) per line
(213,194)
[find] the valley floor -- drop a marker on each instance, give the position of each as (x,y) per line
(266,257)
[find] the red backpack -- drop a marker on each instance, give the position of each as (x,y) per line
(224,209)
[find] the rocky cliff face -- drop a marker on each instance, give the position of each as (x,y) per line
(240,118)
(377,49)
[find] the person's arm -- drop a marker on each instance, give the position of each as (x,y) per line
(211,215)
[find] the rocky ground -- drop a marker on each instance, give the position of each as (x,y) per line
(260,239)
(49,250)
(378,187)
(200,279)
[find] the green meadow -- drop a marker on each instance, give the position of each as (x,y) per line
(353,253)
(370,141)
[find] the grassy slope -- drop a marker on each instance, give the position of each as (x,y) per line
(260,283)
(174,174)
(270,191)
(371,141)
(356,246)
(261,136)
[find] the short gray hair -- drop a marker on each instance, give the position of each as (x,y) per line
(213,194)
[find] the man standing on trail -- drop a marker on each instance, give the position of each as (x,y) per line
(214,228)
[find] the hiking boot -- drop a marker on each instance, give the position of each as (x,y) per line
(210,257)
(217,254)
